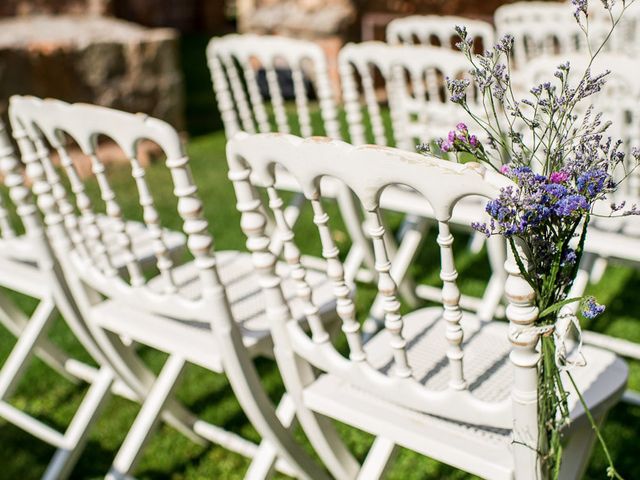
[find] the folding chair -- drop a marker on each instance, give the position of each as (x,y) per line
(208,311)
(437,381)
(27,267)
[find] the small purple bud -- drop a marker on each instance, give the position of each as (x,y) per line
(446,146)
(558,177)
(461,127)
(592,309)
(473,141)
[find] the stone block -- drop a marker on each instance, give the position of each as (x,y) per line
(91,59)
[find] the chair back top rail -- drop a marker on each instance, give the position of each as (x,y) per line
(235,61)
(422,29)
(367,171)
(94,246)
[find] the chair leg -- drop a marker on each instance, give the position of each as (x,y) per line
(318,429)
(577,453)
(599,267)
(14,320)
(352,216)
(15,364)
(263,464)
(413,231)
(136,376)
(378,459)
(77,434)
(147,418)
(492,296)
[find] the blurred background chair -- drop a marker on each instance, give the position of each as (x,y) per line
(438,30)
(413,90)
(608,239)
(252,76)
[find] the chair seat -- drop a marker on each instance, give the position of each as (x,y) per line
(247,305)
(479,449)
(20,248)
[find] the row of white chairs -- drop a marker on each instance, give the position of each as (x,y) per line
(538,28)
(441,381)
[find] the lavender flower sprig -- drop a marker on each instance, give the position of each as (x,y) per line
(561,165)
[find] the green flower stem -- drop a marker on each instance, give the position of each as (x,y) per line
(611,470)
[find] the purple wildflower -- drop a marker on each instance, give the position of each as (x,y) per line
(592,309)
(570,204)
(558,191)
(592,182)
(445,145)
(569,257)
(558,177)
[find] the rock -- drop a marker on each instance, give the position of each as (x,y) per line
(92,59)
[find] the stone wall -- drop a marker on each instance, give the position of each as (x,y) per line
(10,8)
(92,59)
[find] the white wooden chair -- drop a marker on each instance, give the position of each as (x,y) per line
(546,29)
(413,87)
(420,112)
(437,381)
(209,311)
(235,62)
(438,30)
(30,268)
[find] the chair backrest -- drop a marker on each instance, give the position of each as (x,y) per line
(437,30)
(91,247)
(545,29)
(7,162)
(414,88)
(617,101)
(241,64)
(367,170)
(18,207)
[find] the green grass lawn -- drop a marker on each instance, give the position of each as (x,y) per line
(170,455)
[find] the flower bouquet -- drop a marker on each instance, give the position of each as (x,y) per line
(562,166)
